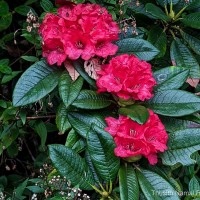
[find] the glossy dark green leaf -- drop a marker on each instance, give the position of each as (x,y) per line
(192,20)
(137,113)
(4,68)
(69,164)
(23,10)
(160,188)
(46,5)
(68,89)
(156,12)
(8,77)
(128,183)
(181,145)
(194,186)
(101,146)
(141,48)
(89,99)
(158,38)
(182,56)
(61,119)
(193,5)
(170,77)
(174,103)
(30,58)
(43,80)
(193,42)
(82,121)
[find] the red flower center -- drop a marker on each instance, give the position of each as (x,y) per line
(79,45)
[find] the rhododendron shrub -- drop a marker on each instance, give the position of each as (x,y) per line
(127,77)
(83,30)
(128,119)
(133,139)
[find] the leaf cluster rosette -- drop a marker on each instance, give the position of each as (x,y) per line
(82,30)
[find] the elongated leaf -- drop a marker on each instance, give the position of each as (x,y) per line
(23,10)
(158,38)
(194,186)
(79,66)
(61,119)
(161,189)
(5,21)
(69,164)
(141,48)
(174,103)
(156,12)
(181,56)
(82,121)
(128,184)
(35,83)
(181,145)
(193,42)
(101,149)
(4,8)
(173,124)
(89,99)
(137,113)
(46,5)
(170,77)
(68,89)
(192,20)
(165,2)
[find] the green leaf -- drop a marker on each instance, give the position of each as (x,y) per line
(133,5)
(172,77)
(193,5)
(160,188)
(5,21)
(46,5)
(8,77)
(72,138)
(101,146)
(35,189)
(23,10)
(89,99)
(158,38)
(30,58)
(78,65)
(192,20)
(181,56)
(128,183)
(69,164)
(4,8)
(165,2)
(41,130)
(4,68)
(137,113)
(68,89)
(181,145)
(20,190)
(82,121)
(141,48)
(61,119)
(43,80)
(156,12)
(194,186)
(174,103)
(193,42)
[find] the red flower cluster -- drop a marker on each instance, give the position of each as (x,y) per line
(82,30)
(133,139)
(127,77)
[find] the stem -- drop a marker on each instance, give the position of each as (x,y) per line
(179,13)
(38,117)
(96,189)
(166,11)
(102,187)
(172,34)
(110,189)
(29,151)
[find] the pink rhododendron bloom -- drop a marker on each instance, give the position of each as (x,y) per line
(127,77)
(83,30)
(133,139)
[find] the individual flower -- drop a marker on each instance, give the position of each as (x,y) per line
(127,77)
(133,139)
(83,30)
